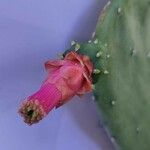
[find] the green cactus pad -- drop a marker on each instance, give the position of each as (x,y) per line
(120,51)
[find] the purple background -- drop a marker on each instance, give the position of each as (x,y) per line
(31,32)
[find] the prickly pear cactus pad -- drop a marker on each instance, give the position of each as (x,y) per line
(120,51)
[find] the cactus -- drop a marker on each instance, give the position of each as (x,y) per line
(120,51)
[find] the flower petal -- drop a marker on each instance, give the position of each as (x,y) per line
(53,65)
(87,67)
(74,57)
(86,86)
(82,59)
(87,62)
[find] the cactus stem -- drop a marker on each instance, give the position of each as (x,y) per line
(120,49)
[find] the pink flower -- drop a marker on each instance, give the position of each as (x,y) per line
(66,78)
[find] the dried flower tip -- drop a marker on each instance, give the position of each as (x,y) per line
(32,112)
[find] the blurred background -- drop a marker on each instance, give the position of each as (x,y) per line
(32,32)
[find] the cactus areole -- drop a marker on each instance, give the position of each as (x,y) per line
(116,62)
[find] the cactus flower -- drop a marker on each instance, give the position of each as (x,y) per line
(66,78)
